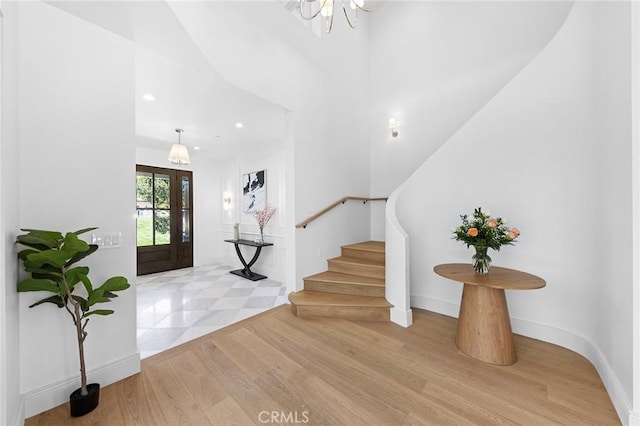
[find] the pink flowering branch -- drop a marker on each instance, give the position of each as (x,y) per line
(263,216)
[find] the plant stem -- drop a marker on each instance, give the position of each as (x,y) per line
(81,334)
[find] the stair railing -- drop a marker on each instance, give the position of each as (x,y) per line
(343,200)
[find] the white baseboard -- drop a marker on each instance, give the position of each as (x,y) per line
(558,337)
(435,305)
(403,318)
(49,396)
(18,417)
(634,418)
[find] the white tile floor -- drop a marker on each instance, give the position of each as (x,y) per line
(177,306)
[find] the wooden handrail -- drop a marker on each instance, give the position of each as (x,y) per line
(343,200)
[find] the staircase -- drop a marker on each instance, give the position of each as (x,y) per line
(352,288)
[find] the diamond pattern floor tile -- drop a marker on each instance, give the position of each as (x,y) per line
(177,306)
(260,302)
(157,339)
(239,292)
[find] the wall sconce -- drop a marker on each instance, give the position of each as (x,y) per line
(393,125)
(226,200)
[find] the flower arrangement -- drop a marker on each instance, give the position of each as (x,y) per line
(263,217)
(482,231)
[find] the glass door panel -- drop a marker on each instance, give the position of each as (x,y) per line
(164,201)
(186,205)
(162,228)
(144,208)
(162,209)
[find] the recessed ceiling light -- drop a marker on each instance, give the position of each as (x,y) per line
(148,97)
(197,148)
(239,125)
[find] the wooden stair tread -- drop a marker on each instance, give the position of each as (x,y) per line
(357,261)
(353,287)
(375,246)
(306,297)
(339,277)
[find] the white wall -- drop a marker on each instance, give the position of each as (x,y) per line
(323,83)
(634,418)
(613,334)
(207,199)
(77,168)
(272,260)
(213,223)
(550,151)
(460,55)
(11,401)
(434,85)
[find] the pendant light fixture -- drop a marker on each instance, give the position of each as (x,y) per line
(179,154)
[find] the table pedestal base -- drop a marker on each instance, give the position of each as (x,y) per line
(246,272)
(484,328)
(248,275)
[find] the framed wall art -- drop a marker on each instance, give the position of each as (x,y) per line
(254,191)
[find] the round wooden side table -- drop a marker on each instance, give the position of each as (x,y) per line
(484,328)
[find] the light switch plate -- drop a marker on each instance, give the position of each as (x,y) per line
(107,239)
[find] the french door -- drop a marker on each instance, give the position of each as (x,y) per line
(164,206)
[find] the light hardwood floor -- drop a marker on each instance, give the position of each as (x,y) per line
(276,367)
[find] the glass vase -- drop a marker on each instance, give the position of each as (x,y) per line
(261,241)
(481,261)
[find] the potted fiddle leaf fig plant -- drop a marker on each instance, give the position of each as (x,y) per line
(50,258)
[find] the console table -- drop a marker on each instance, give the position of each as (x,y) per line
(246,271)
(484,328)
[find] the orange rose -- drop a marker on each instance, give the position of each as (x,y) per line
(472,232)
(513,233)
(492,223)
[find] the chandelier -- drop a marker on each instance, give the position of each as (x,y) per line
(310,9)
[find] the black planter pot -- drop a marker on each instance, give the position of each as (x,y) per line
(81,405)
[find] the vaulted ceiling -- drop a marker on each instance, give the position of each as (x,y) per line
(188,92)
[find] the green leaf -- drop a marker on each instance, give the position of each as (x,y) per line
(73,245)
(81,255)
(75,275)
(99,312)
(85,230)
(87,284)
(28,263)
(115,284)
(56,278)
(37,237)
(97,296)
(84,304)
(38,247)
(22,254)
(53,257)
(56,300)
(33,284)
(43,269)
